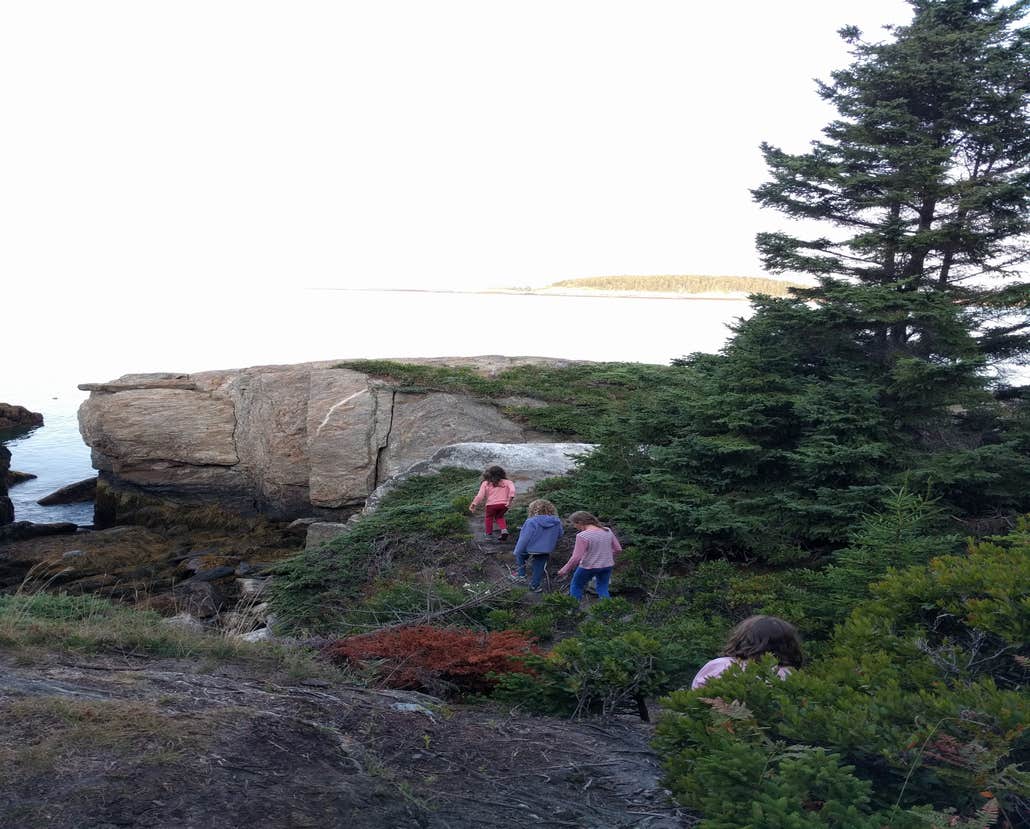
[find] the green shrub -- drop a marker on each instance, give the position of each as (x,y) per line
(906,530)
(915,715)
(557,613)
(314,591)
(610,664)
(579,398)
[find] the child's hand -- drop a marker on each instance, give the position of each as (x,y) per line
(472,507)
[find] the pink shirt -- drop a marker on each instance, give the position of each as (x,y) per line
(717,666)
(503,493)
(595,549)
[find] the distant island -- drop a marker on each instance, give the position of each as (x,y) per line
(676,285)
(634,287)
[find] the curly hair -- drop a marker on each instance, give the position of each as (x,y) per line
(541,506)
(494,474)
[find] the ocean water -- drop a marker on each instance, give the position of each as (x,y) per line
(103,337)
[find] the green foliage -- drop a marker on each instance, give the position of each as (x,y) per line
(776,448)
(557,613)
(924,177)
(969,614)
(314,591)
(907,530)
(579,397)
(914,715)
(614,659)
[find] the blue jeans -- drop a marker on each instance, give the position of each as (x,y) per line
(581,578)
(539,562)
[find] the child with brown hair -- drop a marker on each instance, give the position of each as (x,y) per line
(499,492)
(752,638)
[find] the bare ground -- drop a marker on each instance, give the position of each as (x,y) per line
(94,743)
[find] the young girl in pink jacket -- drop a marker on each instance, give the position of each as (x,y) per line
(499,492)
(751,639)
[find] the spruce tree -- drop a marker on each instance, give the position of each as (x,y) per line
(776,448)
(924,177)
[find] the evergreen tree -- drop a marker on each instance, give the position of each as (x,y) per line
(874,379)
(925,176)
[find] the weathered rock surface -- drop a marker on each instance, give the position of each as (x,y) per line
(281,441)
(16,418)
(525,463)
(189,744)
(21,530)
(14,477)
(6,507)
(77,493)
(323,531)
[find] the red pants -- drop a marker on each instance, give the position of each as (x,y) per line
(495,512)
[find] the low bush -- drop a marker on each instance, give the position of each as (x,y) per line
(579,398)
(914,716)
(434,659)
(611,665)
(316,591)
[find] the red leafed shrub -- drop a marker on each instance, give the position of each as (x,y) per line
(436,659)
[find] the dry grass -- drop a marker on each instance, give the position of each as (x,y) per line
(54,727)
(35,625)
(682,284)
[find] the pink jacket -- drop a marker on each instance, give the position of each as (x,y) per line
(595,549)
(717,666)
(503,493)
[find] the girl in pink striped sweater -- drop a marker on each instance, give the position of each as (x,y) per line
(499,492)
(593,557)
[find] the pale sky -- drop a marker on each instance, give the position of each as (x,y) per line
(437,144)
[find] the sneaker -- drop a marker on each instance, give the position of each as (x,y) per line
(515,577)
(537,589)
(504,535)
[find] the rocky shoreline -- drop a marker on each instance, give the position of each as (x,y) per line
(207,480)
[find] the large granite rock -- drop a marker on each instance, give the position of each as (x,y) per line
(526,463)
(76,493)
(280,441)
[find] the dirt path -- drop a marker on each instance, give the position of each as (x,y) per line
(97,744)
(500,559)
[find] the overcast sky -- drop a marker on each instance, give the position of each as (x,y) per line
(442,144)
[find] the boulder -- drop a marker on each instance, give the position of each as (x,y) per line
(525,463)
(184,621)
(323,531)
(250,588)
(77,493)
(310,440)
(200,598)
(21,530)
(14,477)
(18,418)
(259,635)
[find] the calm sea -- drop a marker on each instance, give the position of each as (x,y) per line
(102,338)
